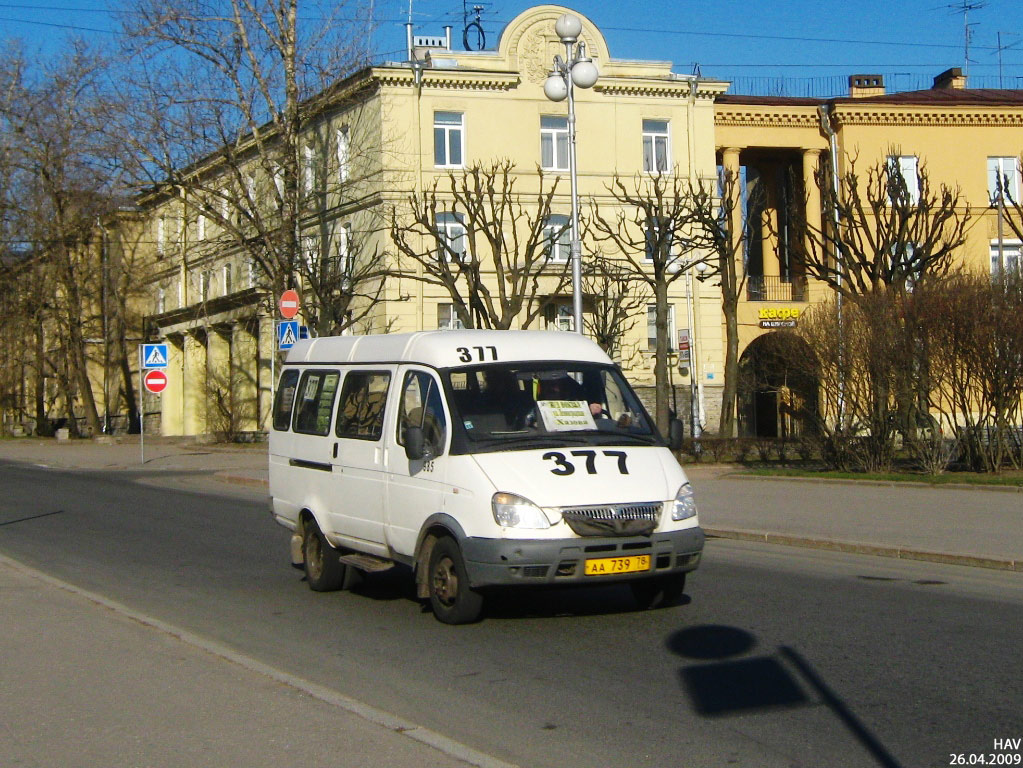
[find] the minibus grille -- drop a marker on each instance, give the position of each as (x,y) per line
(614,519)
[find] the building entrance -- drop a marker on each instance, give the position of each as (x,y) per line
(775,397)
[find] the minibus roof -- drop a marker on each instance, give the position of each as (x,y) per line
(448,349)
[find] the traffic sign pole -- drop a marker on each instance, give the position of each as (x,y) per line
(142,409)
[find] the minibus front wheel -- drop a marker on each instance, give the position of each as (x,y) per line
(658,591)
(452,599)
(324,571)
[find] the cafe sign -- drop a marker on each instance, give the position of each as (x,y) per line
(778,317)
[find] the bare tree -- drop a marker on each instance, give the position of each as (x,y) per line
(879,233)
(619,299)
(234,117)
(67,173)
(490,247)
(717,224)
(651,224)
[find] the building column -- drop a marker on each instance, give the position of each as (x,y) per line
(172,399)
(730,162)
(220,417)
(245,374)
(769,223)
(811,161)
(267,367)
(194,385)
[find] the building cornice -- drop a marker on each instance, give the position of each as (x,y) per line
(452,79)
(928,117)
(672,89)
(772,118)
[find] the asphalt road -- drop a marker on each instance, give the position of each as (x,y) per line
(776,657)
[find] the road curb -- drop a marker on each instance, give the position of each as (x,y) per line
(236,479)
(901,553)
(742,475)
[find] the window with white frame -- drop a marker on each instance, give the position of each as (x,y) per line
(905,167)
(553,143)
(279,181)
(557,235)
(205,284)
(161,300)
(228,281)
(451,232)
(560,317)
(200,226)
(345,265)
(656,146)
(343,154)
(448,139)
(653,236)
(250,193)
(308,169)
(651,326)
(1010,256)
(447,318)
(310,253)
(1003,179)
(252,269)
(161,235)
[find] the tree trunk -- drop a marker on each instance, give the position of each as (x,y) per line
(727,423)
(661,383)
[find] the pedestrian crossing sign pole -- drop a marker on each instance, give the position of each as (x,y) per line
(151,357)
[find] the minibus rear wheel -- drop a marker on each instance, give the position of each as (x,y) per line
(452,599)
(659,591)
(324,571)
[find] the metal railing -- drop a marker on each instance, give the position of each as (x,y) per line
(763,288)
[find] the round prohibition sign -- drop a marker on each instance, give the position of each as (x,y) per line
(155,381)
(288,305)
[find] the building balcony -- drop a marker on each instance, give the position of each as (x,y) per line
(763,288)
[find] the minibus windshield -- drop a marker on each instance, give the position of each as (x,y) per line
(545,403)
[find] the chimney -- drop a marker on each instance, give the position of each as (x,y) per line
(866,85)
(951,78)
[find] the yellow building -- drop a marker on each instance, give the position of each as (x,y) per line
(388,133)
(963,137)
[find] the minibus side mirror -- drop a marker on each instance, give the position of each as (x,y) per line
(415,445)
(676,433)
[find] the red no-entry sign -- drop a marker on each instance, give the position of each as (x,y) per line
(289,304)
(155,381)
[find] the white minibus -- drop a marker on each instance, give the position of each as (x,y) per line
(480,459)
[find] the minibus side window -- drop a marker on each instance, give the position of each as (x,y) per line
(316,403)
(421,406)
(361,412)
(285,399)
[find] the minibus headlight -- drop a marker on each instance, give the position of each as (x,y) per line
(685,503)
(511,511)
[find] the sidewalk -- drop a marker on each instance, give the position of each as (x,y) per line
(66,705)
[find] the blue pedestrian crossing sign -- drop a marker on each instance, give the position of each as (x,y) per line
(154,356)
(287,334)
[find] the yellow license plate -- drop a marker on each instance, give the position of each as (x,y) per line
(608,566)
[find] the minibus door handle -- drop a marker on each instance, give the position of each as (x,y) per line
(335,450)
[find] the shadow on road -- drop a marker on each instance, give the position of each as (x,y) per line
(736,686)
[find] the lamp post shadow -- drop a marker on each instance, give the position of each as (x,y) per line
(723,684)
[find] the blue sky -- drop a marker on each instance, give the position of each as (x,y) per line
(748,41)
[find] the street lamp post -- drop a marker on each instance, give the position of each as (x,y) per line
(575,69)
(695,395)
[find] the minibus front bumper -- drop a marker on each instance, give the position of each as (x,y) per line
(582,560)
